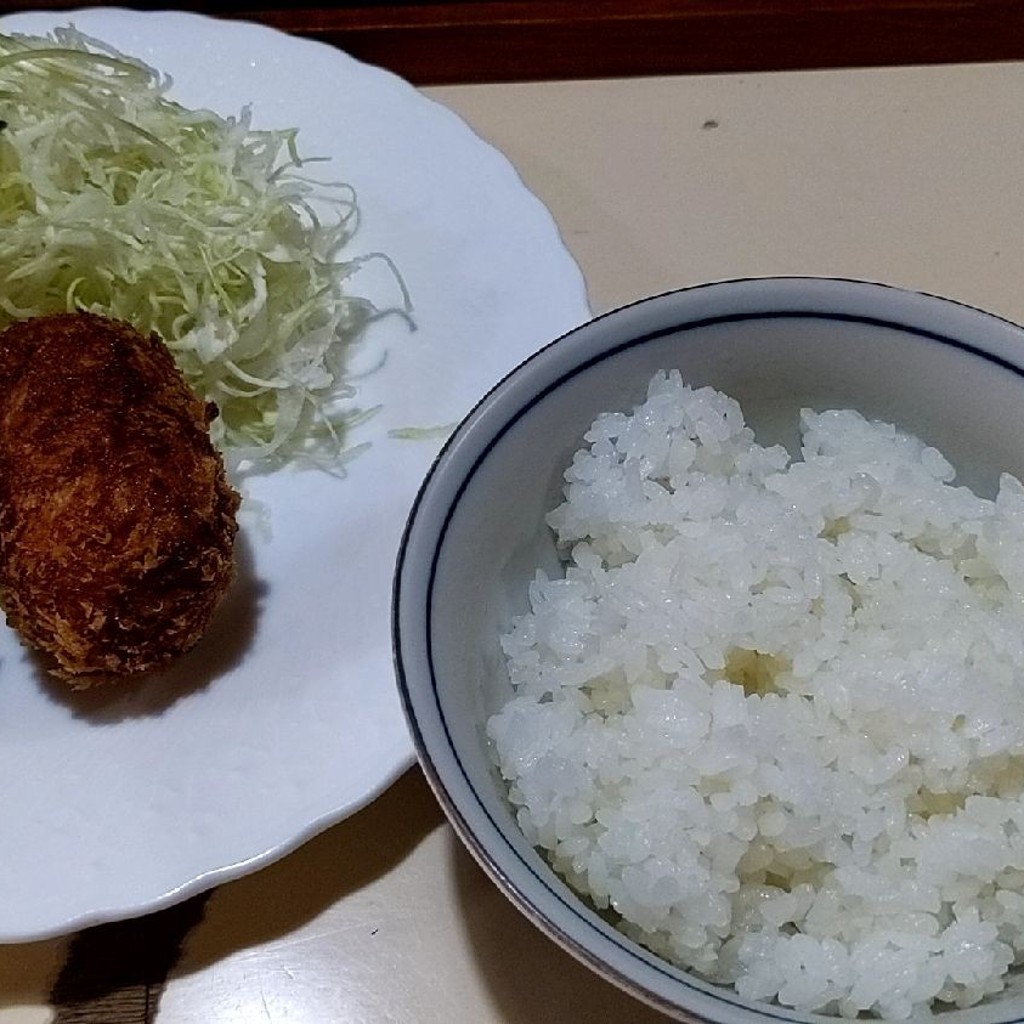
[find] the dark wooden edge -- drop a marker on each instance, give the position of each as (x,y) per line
(497,41)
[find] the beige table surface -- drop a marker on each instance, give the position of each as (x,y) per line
(911,176)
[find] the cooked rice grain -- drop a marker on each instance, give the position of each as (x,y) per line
(772,717)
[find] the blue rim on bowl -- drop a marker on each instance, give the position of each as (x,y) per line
(445,742)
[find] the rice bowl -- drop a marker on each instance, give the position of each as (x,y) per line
(768,719)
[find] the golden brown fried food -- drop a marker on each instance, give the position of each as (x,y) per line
(117,523)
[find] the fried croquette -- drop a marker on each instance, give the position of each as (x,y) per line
(117,521)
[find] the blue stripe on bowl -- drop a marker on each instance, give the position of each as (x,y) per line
(648,960)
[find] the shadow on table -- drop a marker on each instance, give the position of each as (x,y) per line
(509,948)
(289,894)
(117,971)
(283,902)
(27,970)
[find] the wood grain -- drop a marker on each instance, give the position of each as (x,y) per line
(466,41)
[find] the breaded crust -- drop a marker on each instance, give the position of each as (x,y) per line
(117,522)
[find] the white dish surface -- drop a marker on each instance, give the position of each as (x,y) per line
(286,718)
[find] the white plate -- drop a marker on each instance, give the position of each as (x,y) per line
(286,718)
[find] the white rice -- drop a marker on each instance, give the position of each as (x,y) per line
(772,717)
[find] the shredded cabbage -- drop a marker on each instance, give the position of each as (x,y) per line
(117,200)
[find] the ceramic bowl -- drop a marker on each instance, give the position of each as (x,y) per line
(951,374)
